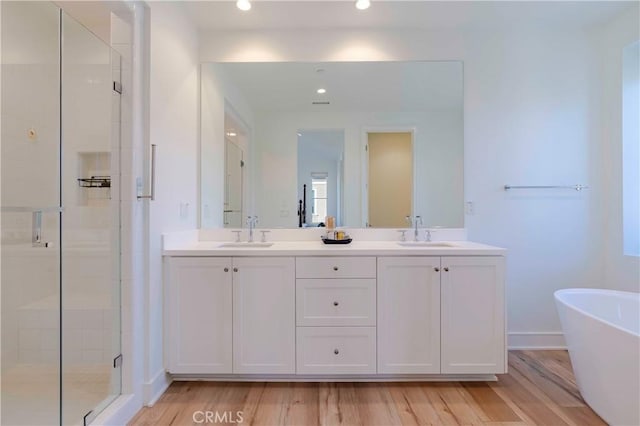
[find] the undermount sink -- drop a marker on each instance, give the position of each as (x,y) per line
(425,244)
(246,245)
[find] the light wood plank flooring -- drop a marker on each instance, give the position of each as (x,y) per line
(540,389)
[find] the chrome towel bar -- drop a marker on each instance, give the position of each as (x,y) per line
(574,187)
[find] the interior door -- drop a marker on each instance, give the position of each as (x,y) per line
(234,162)
(390,181)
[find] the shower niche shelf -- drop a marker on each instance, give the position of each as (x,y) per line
(95,182)
(94,178)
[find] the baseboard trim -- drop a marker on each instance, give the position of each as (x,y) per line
(153,390)
(530,340)
(337,378)
(119,412)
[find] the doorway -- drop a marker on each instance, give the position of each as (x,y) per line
(389,188)
(235,146)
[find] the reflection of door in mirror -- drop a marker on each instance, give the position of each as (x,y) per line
(320,168)
(390,185)
(233,164)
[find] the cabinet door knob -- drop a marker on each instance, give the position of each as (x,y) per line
(235,269)
(436,269)
(446,269)
(335,303)
(226,269)
(335,351)
(335,268)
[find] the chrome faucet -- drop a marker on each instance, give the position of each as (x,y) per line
(427,235)
(251,221)
(414,221)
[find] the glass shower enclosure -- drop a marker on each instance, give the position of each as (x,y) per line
(60,218)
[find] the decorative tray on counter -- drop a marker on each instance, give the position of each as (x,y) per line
(345,240)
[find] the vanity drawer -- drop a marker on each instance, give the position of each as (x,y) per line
(336,350)
(335,302)
(335,267)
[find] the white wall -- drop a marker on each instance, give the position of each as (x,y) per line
(530,118)
(622,272)
(173,125)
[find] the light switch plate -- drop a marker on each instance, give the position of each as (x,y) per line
(469,208)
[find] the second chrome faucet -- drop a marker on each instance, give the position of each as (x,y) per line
(414,221)
(252,221)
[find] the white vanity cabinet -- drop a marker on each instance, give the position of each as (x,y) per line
(336,315)
(441,315)
(389,313)
(198,318)
(230,315)
(473,315)
(264,334)
(409,315)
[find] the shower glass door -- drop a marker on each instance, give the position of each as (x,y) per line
(30,221)
(90,224)
(60,193)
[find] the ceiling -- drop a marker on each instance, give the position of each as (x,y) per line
(350,86)
(396,14)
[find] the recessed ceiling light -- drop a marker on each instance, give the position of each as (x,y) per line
(245,5)
(232,134)
(322,91)
(299,134)
(363,4)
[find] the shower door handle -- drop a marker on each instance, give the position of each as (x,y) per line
(36,229)
(36,221)
(152,195)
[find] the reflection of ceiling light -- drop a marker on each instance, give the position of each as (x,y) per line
(363,4)
(231,134)
(246,5)
(322,91)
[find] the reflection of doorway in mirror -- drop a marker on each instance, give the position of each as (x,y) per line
(236,150)
(390,181)
(236,143)
(321,168)
(233,164)
(319,197)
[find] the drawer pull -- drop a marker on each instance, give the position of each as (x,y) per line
(235,269)
(335,268)
(436,269)
(226,269)
(335,351)
(446,269)
(335,303)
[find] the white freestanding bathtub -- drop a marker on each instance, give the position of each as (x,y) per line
(602,331)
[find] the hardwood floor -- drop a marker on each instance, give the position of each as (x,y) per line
(540,389)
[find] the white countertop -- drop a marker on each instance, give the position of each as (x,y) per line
(317,248)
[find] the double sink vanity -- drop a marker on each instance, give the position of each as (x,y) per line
(293,308)
(287,306)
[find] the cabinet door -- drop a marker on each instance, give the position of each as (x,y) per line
(408,315)
(473,312)
(264,315)
(199,317)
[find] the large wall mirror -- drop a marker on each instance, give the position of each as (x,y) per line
(368,143)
